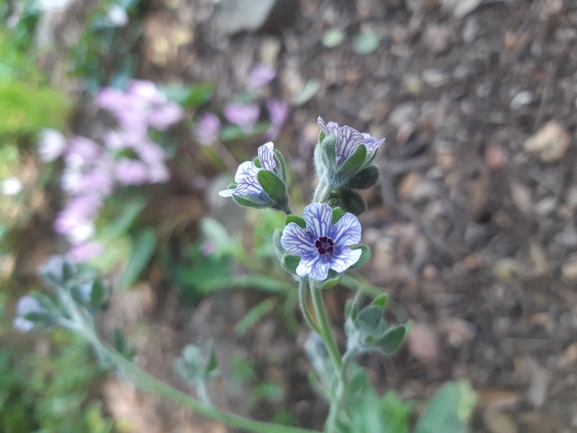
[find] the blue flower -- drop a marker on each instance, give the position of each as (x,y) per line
(24,306)
(348,140)
(322,245)
(246,178)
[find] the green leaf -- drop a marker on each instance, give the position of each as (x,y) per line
(333,37)
(381,300)
(122,345)
(290,263)
(143,248)
(352,202)
(306,92)
(365,255)
(368,319)
(256,162)
(212,363)
(390,341)
(449,410)
(281,165)
(98,294)
(255,314)
(338,213)
(278,248)
(129,213)
(192,96)
(295,219)
(250,201)
(332,279)
(273,186)
(353,162)
(365,178)
(328,153)
(366,42)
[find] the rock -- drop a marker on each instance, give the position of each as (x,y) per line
(470,30)
(537,392)
(498,398)
(403,113)
(437,38)
(521,99)
(521,196)
(458,330)
(423,342)
(435,78)
(498,422)
(569,268)
(545,207)
(413,84)
(234,16)
(495,156)
(550,143)
(408,185)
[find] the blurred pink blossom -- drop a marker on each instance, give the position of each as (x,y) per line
(243,115)
(131,172)
(262,74)
(206,131)
(84,252)
(278,112)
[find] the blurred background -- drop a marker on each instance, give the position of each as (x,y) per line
(120,120)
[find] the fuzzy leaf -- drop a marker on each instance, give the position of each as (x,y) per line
(245,202)
(338,213)
(290,263)
(273,186)
(295,219)
(365,178)
(381,300)
(353,162)
(281,164)
(390,341)
(368,319)
(352,202)
(328,152)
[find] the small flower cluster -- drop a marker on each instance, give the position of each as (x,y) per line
(323,244)
(246,114)
(128,156)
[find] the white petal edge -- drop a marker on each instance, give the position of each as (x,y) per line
(345,259)
(347,231)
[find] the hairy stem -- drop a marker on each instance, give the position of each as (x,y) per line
(304,306)
(325,326)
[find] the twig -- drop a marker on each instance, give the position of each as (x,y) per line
(547,90)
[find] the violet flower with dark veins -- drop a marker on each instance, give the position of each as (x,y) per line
(322,245)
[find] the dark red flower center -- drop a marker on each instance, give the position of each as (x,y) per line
(324,245)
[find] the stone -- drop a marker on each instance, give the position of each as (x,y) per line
(550,143)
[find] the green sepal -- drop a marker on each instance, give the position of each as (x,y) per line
(371,157)
(278,248)
(43,317)
(390,341)
(365,178)
(210,369)
(353,163)
(122,345)
(364,258)
(273,186)
(381,300)
(338,213)
(332,279)
(295,219)
(368,319)
(232,185)
(281,164)
(99,294)
(322,136)
(256,162)
(245,202)
(352,202)
(290,263)
(328,153)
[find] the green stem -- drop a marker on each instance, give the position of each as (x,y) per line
(304,306)
(325,326)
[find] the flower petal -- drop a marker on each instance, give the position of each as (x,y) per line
(320,270)
(296,240)
(319,219)
(309,265)
(226,192)
(348,141)
(372,143)
(331,128)
(347,231)
(266,156)
(246,169)
(345,259)
(249,186)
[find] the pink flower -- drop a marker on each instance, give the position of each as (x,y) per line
(262,74)
(243,115)
(165,116)
(82,151)
(278,112)
(84,252)
(206,131)
(131,172)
